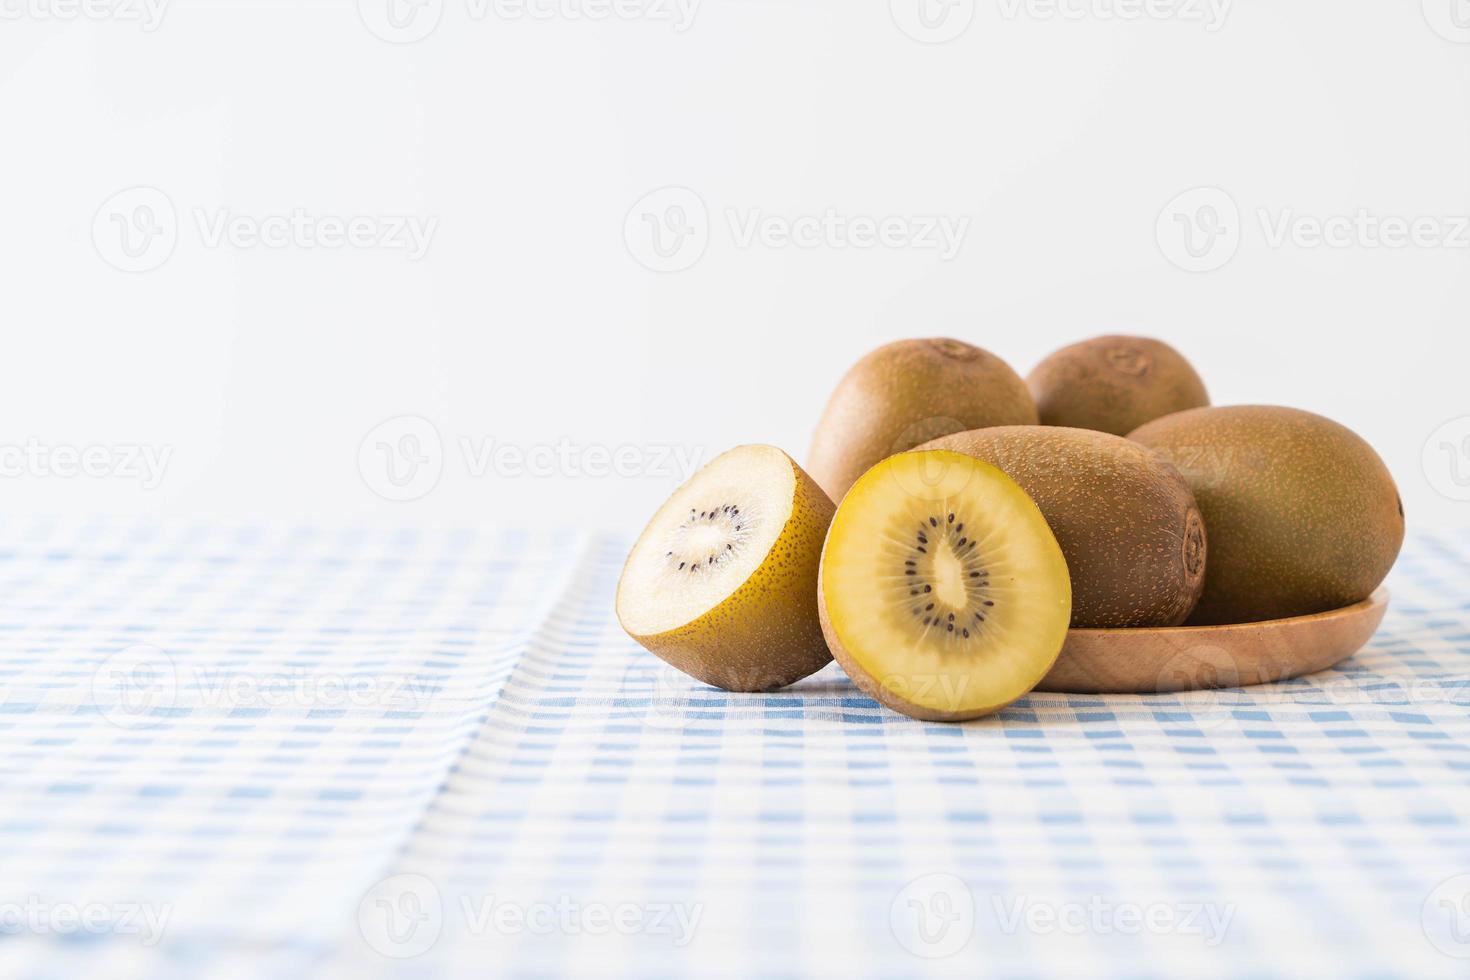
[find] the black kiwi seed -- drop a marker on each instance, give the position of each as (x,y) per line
(963,548)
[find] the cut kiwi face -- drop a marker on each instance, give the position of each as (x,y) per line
(722,582)
(944,594)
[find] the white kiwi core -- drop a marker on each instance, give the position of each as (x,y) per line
(706,540)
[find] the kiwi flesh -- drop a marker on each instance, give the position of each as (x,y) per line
(722,584)
(944,594)
(1126,520)
(1303,515)
(906,393)
(1114,384)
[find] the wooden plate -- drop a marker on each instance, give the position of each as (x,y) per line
(1187,658)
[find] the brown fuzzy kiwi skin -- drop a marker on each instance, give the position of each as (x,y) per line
(1114,384)
(1304,516)
(766,634)
(1130,529)
(906,393)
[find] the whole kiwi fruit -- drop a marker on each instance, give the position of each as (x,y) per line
(1127,523)
(1303,515)
(906,393)
(1114,384)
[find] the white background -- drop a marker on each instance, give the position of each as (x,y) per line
(531,322)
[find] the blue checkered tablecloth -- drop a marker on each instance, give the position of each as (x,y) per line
(290,751)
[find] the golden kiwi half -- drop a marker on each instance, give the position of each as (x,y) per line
(722,583)
(943,592)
